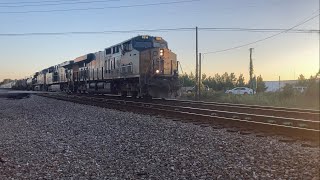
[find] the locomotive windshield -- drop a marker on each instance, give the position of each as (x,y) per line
(144,45)
(145,42)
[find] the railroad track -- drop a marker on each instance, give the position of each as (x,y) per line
(265,110)
(306,114)
(208,114)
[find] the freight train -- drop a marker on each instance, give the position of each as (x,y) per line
(142,66)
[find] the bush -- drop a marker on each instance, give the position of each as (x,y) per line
(288,91)
(280,99)
(313,88)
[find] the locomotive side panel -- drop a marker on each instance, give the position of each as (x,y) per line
(49,78)
(101,65)
(130,64)
(96,67)
(170,62)
(121,64)
(145,62)
(41,80)
(75,72)
(91,67)
(62,74)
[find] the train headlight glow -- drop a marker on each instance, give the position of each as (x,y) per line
(161,52)
(145,37)
(157,71)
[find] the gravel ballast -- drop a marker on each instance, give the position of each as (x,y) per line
(43,138)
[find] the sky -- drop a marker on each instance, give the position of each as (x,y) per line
(286,55)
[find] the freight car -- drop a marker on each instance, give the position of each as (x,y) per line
(140,66)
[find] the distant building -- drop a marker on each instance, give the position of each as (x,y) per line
(273,86)
(7,85)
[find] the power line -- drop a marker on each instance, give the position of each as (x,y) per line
(37,2)
(98,8)
(65,3)
(142,31)
(261,30)
(266,38)
(97,32)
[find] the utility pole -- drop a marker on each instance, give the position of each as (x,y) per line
(251,68)
(279,84)
(196,83)
(199,76)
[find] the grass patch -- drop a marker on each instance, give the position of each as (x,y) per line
(264,99)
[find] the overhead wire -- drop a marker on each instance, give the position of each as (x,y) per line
(38,2)
(99,8)
(97,32)
(151,30)
(261,30)
(266,38)
(55,4)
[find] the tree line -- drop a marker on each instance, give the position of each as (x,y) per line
(223,82)
(312,86)
(5,81)
(230,80)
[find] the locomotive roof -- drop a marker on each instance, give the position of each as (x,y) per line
(91,56)
(140,37)
(85,58)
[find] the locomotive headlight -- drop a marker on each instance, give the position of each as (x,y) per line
(161,52)
(157,71)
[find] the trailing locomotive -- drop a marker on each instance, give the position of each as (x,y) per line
(140,66)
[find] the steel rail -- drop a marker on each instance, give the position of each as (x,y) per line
(253,106)
(235,115)
(306,114)
(281,112)
(198,116)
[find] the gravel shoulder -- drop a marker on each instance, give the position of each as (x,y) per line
(43,138)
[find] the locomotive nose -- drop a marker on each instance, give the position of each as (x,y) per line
(163,62)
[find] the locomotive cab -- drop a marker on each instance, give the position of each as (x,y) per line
(158,67)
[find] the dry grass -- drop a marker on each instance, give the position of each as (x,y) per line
(266,99)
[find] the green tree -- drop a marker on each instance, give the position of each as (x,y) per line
(302,81)
(187,80)
(261,86)
(288,91)
(240,81)
(203,77)
(5,81)
(233,79)
(211,82)
(220,82)
(228,81)
(313,86)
